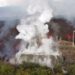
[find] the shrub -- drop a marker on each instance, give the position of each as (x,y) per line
(6,69)
(71,70)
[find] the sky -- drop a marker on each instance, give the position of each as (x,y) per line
(64,8)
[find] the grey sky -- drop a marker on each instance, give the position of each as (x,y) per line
(65,8)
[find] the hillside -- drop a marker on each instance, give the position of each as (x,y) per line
(62,28)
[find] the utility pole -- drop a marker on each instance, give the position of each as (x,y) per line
(73,37)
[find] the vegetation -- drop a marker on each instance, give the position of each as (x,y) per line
(34,69)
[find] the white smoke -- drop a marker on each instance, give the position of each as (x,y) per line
(21,8)
(33,32)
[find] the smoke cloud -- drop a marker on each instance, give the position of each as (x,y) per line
(16,9)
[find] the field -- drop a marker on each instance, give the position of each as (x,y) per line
(68,51)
